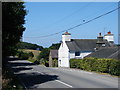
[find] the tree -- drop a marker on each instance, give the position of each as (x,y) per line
(31,55)
(44,55)
(13,14)
(26,45)
(55,46)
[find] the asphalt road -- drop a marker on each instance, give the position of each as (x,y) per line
(36,76)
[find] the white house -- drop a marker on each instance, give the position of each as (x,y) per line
(78,48)
(110,37)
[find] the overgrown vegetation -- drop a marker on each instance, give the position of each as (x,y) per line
(43,57)
(25,45)
(110,66)
(55,63)
(25,55)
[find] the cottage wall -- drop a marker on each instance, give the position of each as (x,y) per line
(63,55)
(50,60)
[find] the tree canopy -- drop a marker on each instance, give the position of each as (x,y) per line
(55,46)
(25,45)
(13,18)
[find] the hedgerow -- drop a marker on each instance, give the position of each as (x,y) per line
(111,66)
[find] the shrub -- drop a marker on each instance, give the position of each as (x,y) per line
(23,55)
(31,55)
(55,63)
(37,62)
(96,64)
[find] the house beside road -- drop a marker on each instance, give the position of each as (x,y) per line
(80,48)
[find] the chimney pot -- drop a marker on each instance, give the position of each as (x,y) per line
(109,32)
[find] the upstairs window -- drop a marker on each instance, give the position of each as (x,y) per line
(77,53)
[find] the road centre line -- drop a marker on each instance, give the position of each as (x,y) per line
(64,83)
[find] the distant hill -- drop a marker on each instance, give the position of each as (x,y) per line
(26,45)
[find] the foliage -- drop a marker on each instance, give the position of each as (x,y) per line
(43,57)
(35,53)
(25,45)
(110,66)
(13,14)
(55,46)
(31,55)
(23,55)
(55,63)
(44,54)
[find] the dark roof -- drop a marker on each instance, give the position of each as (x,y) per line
(106,52)
(83,44)
(54,53)
(115,55)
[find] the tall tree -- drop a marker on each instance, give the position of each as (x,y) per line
(13,14)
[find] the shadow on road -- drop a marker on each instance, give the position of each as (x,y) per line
(30,78)
(34,78)
(21,64)
(18,69)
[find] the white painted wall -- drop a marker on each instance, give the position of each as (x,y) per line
(109,38)
(66,38)
(72,54)
(63,55)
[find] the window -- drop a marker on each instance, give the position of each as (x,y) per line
(77,53)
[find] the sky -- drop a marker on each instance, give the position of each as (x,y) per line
(45,18)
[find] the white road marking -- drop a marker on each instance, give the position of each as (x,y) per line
(64,83)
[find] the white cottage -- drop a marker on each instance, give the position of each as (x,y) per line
(78,48)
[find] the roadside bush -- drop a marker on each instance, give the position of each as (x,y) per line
(110,66)
(23,55)
(37,62)
(31,55)
(46,63)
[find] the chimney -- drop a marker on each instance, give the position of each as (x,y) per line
(100,42)
(109,37)
(109,32)
(66,36)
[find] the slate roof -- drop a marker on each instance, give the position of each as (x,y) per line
(115,55)
(106,52)
(54,53)
(83,44)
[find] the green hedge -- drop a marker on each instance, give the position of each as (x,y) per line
(110,66)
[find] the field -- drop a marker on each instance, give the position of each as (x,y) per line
(35,52)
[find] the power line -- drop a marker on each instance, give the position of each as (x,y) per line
(76,25)
(64,18)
